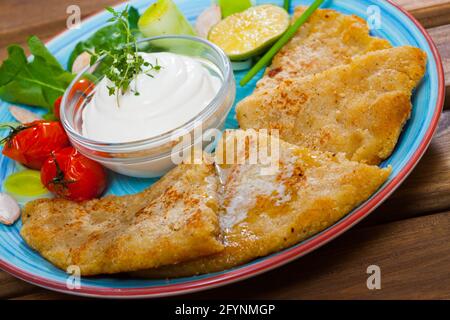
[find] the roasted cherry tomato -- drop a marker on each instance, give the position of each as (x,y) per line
(72,176)
(57,108)
(32,144)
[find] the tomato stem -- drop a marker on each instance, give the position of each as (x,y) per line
(60,179)
(13,132)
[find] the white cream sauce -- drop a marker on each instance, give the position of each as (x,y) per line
(167,99)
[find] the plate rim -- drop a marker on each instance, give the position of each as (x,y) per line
(287,255)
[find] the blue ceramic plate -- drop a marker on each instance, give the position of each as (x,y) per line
(396,26)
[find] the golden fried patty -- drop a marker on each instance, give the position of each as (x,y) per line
(358,109)
(328,39)
(264,213)
(173,221)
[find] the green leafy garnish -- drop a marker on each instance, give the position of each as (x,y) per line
(108,37)
(124,62)
(38,82)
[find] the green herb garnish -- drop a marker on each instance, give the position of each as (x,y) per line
(107,37)
(287,5)
(287,36)
(125,62)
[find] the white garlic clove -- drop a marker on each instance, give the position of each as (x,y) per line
(23,115)
(9,209)
(208,19)
(81,62)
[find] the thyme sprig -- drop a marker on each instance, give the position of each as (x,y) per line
(125,61)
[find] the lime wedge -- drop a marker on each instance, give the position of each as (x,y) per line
(251,32)
(164,18)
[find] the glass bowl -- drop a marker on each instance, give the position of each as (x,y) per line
(152,157)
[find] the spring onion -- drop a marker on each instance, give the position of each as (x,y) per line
(287,5)
(265,60)
(25,186)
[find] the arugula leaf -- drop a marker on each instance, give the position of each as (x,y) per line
(38,82)
(133,19)
(107,38)
(39,49)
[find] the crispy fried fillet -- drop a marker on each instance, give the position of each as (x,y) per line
(358,109)
(264,213)
(174,221)
(327,40)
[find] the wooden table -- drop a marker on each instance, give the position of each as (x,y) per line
(408,237)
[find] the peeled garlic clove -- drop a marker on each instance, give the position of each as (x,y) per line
(81,62)
(208,19)
(23,115)
(9,209)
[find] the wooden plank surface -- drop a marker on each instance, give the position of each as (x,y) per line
(46,295)
(11,287)
(430,13)
(46,21)
(441,37)
(20,19)
(412,252)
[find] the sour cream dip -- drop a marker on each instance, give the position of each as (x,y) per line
(168,99)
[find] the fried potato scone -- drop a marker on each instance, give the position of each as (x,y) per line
(328,39)
(173,221)
(358,109)
(264,213)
